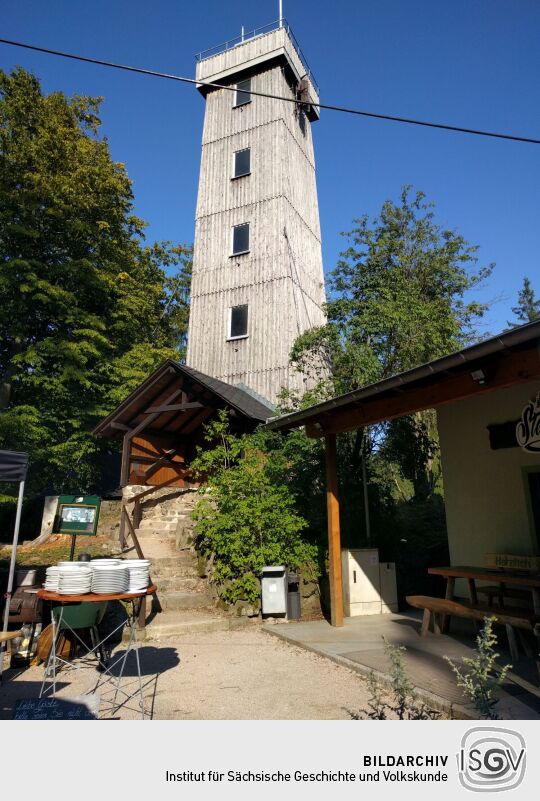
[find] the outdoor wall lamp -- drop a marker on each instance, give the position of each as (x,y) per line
(478,376)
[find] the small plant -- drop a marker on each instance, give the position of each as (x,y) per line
(377,708)
(483,676)
(400,701)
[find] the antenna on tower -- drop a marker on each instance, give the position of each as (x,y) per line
(281,13)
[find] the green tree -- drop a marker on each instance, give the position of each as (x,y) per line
(87,307)
(528,305)
(247,517)
(397,296)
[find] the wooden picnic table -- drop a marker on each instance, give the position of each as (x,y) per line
(526,579)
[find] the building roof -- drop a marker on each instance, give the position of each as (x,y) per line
(509,358)
(172,377)
(242,399)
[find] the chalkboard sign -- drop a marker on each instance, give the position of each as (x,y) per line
(80,708)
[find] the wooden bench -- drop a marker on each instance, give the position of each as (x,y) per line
(521,619)
(501,592)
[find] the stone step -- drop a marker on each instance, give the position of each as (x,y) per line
(170,506)
(176,624)
(179,559)
(151,534)
(180,571)
(165,524)
(156,524)
(184,600)
(169,564)
(167,513)
(179,583)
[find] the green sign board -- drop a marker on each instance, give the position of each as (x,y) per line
(77,514)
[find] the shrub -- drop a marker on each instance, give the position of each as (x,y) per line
(246,519)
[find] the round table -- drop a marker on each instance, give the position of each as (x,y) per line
(91,597)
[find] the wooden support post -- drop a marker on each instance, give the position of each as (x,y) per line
(450,588)
(425,622)
(126,450)
(334,535)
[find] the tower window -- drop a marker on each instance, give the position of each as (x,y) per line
(238,322)
(240,239)
(243,92)
(242,163)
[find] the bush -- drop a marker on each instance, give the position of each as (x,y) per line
(246,517)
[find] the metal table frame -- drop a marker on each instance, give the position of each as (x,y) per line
(96,649)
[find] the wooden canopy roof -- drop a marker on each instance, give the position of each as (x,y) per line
(512,357)
(176,399)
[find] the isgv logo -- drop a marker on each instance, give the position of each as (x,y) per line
(491,759)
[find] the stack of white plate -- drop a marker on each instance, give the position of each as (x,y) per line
(74,581)
(139,574)
(52,574)
(51,578)
(109,579)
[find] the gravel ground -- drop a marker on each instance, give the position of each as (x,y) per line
(233,675)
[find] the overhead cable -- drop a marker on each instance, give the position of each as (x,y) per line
(326,106)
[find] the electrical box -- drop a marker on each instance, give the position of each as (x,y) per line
(274,590)
(369,587)
(389,599)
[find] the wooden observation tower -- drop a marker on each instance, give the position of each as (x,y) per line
(257,266)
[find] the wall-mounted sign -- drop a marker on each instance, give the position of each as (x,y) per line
(77,514)
(528,428)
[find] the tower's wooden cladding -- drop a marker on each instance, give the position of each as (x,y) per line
(281,277)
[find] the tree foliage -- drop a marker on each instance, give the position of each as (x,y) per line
(88,309)
(247,517)
(400,295)
(528,305)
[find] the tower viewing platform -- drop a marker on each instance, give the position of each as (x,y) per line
(244,55)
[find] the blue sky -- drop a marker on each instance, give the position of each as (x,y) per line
(473,63)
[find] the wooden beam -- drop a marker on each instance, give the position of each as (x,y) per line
(194,422)
(126,449)
(314,430)
(165,459)
(507,370)
(119,426)
(131,400)
(334,534)
(174,407)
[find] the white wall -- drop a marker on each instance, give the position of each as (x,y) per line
(485,491)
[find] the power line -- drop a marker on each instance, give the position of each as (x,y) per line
(326,106)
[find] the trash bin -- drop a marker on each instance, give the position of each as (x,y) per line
(294,609)
(274,590)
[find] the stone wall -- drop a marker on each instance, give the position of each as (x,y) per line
(109,519)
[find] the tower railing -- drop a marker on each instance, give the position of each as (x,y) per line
(245,37)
